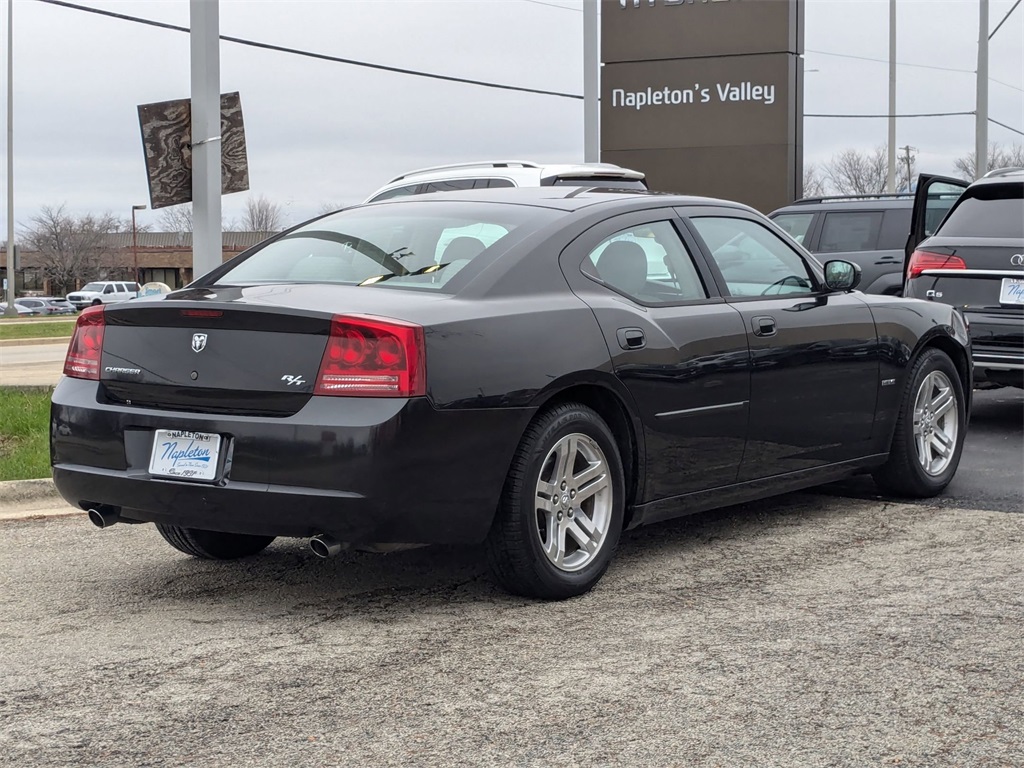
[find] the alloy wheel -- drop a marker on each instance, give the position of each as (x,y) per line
(936,423)
(573,502)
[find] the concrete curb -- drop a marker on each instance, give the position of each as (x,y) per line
(30,342)
(32,499)
(21,491)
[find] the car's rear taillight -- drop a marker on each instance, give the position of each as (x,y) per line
(922,260)
(367,357)
(83,359)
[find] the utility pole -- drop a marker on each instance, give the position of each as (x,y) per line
(204,39)
(981,112)
(910,164)
(11,311)
(591,84)
(890,185)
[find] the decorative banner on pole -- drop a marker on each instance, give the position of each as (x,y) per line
(167,142)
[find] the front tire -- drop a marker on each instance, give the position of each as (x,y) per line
(930,430)
(213,545)
(561,510)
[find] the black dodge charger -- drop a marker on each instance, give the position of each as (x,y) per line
(531,369)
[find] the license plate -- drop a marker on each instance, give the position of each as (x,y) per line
(185,455)
(1012,291)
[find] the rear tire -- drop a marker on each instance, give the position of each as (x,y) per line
(561,509)
(930,430)
(213,545)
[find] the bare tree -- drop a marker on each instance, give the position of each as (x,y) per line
(177,218)
(328,207)
(814,182)
(856,172)
(998,157)
(261,215)
(70,249)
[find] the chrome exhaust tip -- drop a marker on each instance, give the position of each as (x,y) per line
(325,546)
(104,516)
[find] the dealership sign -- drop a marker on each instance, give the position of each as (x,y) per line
(705,96)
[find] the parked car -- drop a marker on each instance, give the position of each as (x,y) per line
(46,305)
(351,381)
(508,173)
(22,310)
(103,292)
(974,260)
(869,230)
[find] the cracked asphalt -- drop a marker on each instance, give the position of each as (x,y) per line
(806,630)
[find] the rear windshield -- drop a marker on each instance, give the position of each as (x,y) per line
(404,244)
(596,181)
(987,211)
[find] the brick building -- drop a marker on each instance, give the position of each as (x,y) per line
(164,257)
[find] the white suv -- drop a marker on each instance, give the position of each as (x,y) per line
(508,173)
(105,292)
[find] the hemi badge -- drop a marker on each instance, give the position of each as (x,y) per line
(888,382)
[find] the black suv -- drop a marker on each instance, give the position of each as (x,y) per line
(974,260)
(869,230)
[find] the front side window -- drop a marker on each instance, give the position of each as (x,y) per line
(648,263)
(753,260)
(796,225)
(412,245)
(108,289)
(850,231)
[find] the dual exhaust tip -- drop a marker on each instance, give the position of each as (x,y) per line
(322,545)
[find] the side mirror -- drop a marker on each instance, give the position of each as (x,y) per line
(841,275)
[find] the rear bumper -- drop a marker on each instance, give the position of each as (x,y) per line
(363,470)
(998,343)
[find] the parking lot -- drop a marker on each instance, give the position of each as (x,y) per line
(814,629)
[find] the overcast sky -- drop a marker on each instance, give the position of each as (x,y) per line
(320,132)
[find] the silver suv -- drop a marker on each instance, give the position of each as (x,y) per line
(508,173)
(103,292)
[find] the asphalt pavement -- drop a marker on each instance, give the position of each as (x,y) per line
(799,632)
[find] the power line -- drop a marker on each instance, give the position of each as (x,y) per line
(1004,19)
(555,5)
(320,56)
(921,114)
(1007,127)
(909,64)
(886,61)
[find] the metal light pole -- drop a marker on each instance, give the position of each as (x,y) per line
(11,311)
(135,242)
(981,112)
(204,38)
(890,186)
(591,84)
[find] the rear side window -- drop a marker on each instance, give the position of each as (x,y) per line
(850,231)
(649,263)
(895,229)
(796,225)
(987,211)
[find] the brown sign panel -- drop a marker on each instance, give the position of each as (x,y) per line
(167,141)
(643,30)
(718,102)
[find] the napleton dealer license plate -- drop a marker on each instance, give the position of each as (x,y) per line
(1012,291)
(185,455)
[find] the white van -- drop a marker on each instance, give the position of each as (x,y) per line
(103,292)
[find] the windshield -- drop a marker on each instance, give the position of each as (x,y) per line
(401,244)
(93,287)
(995,210)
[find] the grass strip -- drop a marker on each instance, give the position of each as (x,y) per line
(24,432)
(45,329)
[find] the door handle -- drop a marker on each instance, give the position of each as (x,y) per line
(631,338)
(763,325)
